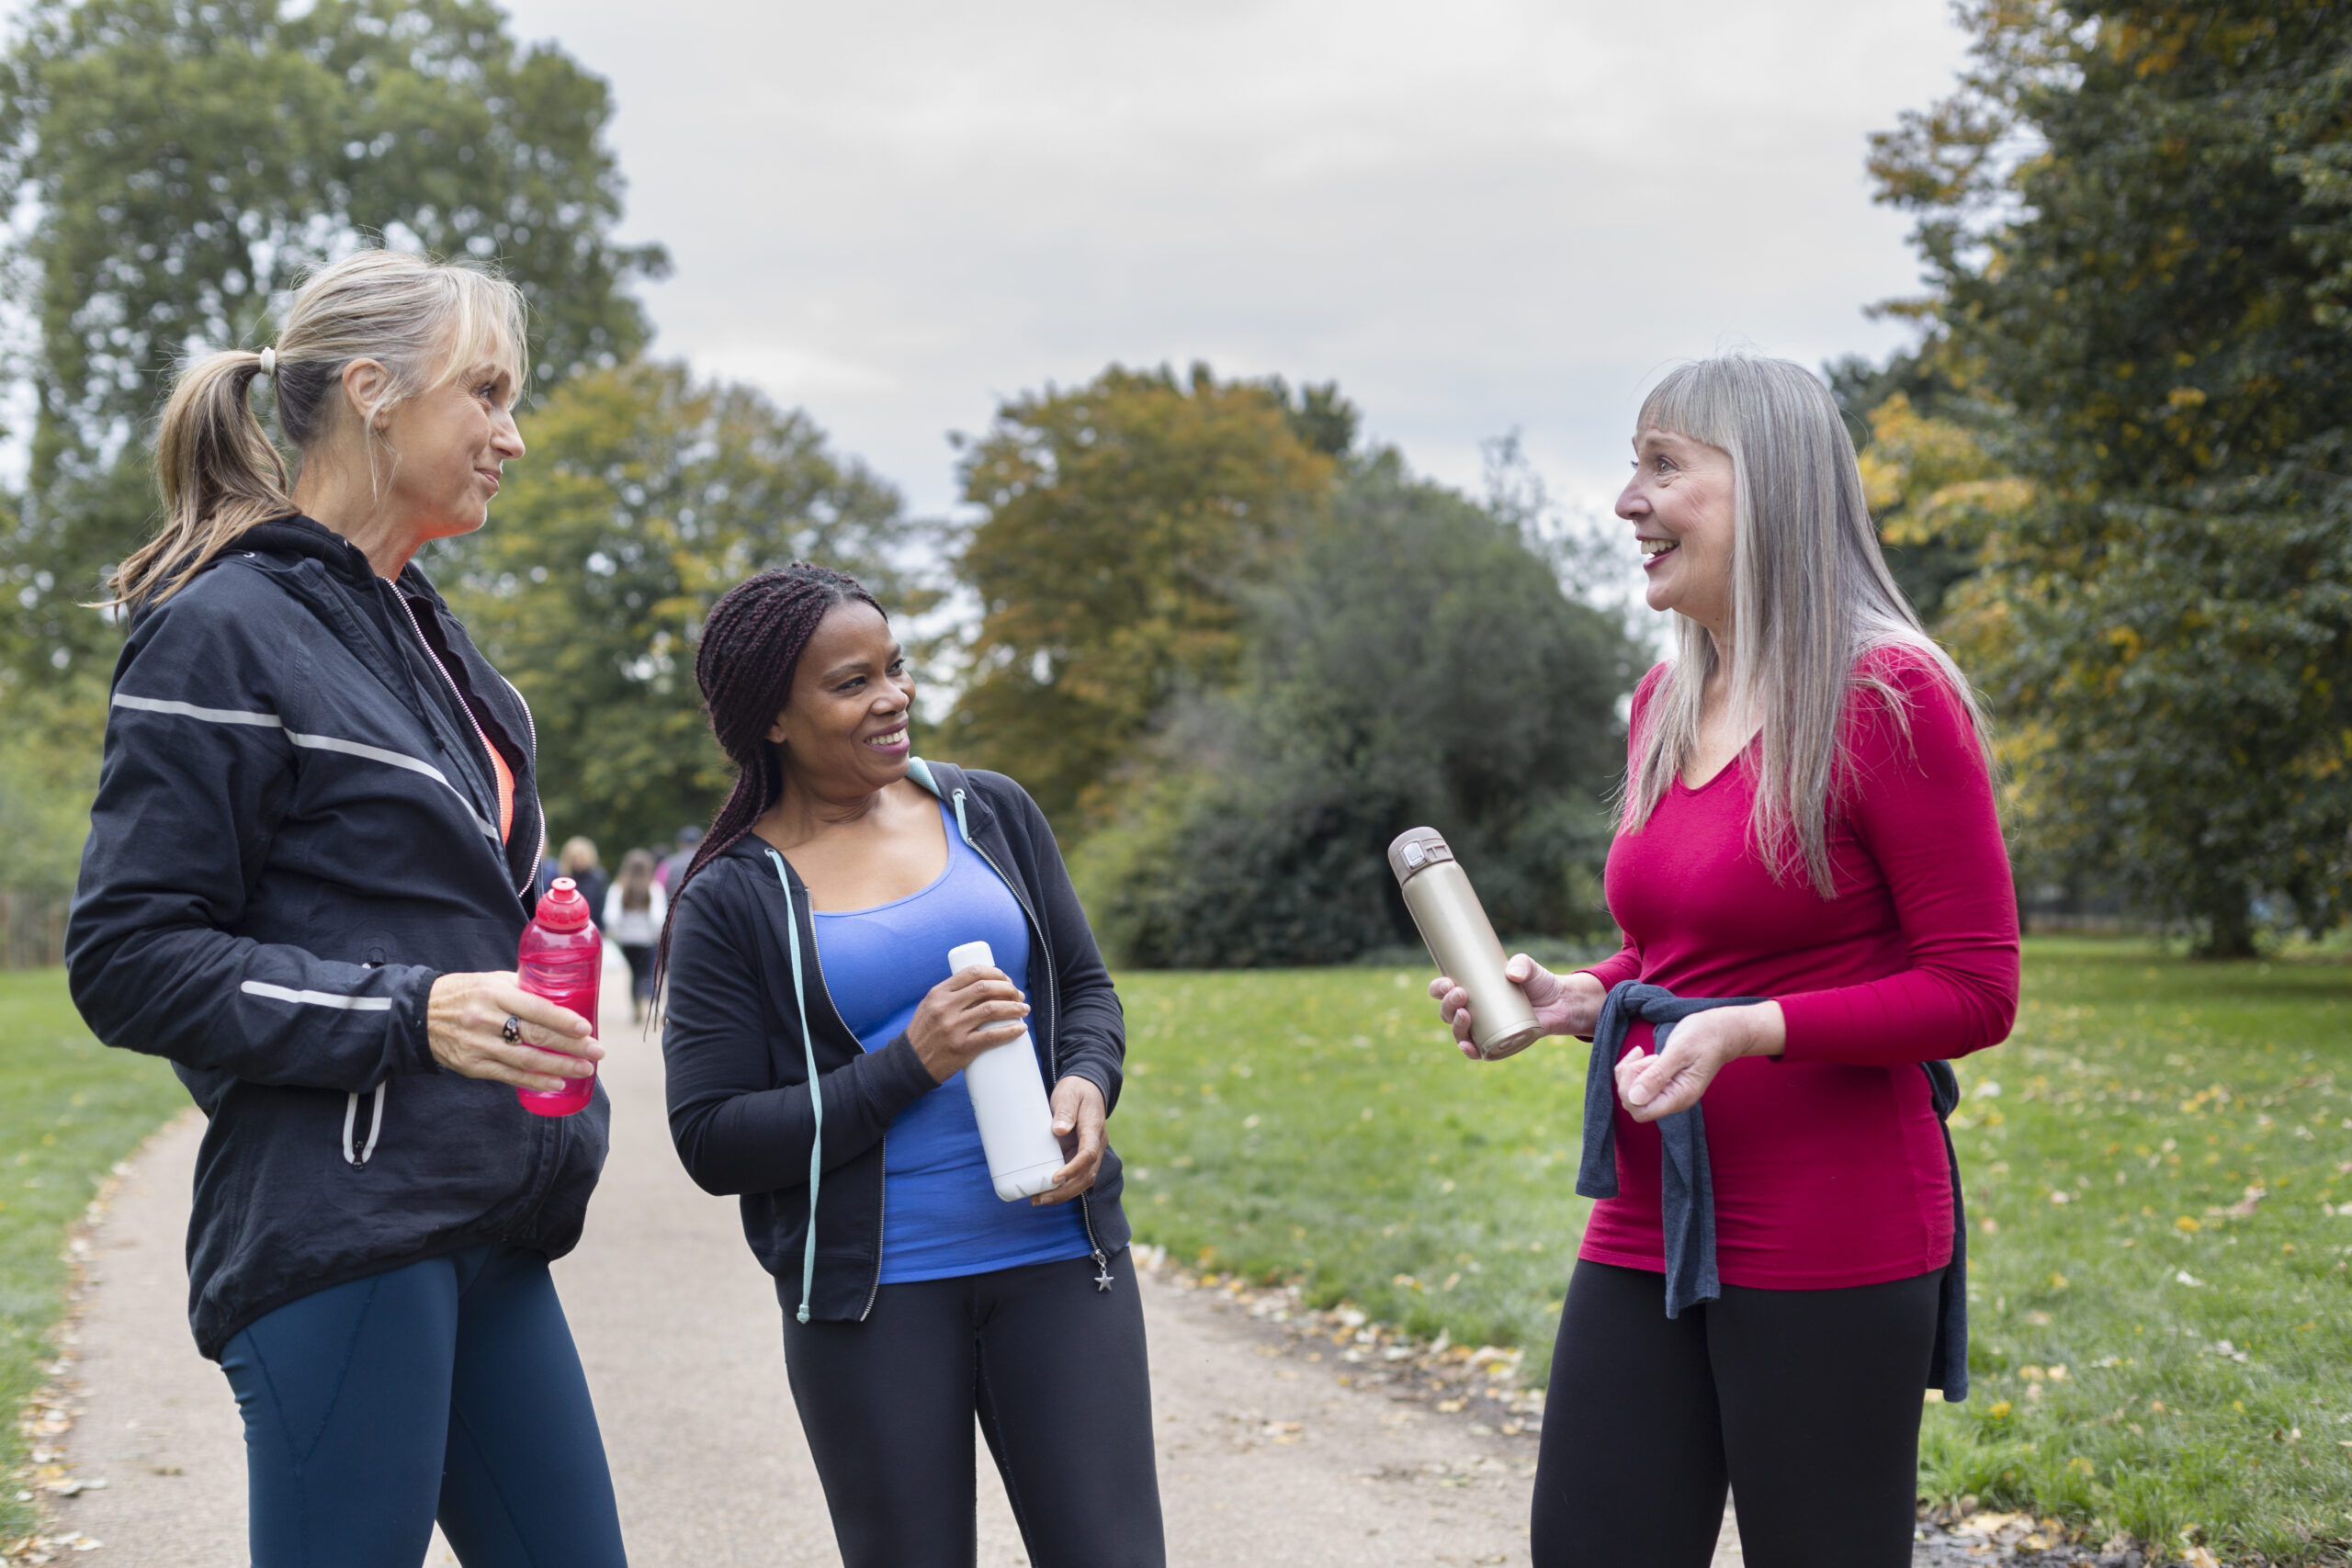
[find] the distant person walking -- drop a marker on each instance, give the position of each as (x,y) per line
(578,860)
(1808,843)
(810,1021)
(672,869)
(634,911)
(310,862)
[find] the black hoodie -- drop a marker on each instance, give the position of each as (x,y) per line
(295,833)
(740,1109)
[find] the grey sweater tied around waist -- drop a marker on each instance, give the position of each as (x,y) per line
(1687,1193)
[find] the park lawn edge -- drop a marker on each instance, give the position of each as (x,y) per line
(71,1110)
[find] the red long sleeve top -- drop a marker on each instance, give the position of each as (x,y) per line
(1828,1164)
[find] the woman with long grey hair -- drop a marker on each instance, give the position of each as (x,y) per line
(1818,911)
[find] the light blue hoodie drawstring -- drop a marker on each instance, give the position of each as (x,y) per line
(816,1096)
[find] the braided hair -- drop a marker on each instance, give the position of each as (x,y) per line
(752,642)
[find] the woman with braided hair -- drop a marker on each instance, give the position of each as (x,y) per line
(816,1044)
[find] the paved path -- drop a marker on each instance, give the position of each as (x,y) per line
(1264,1456)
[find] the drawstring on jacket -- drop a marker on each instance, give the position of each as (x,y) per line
(816,1095)
(375,1126)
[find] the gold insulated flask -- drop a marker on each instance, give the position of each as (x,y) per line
(1461,939)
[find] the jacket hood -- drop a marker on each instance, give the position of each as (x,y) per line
(300,538)
(296,537)
(939,779)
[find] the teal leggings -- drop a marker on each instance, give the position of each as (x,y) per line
(447,1389)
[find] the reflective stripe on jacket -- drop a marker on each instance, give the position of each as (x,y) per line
(295,833)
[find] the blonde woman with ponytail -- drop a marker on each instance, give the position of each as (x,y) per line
(312,852)
(1818,911)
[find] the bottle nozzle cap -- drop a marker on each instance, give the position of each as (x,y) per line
(562,910)
(970,956)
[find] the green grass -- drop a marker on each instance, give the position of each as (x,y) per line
(1317,1125)
(2154,1094)
(69,1110)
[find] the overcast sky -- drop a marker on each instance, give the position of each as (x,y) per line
(1477,216)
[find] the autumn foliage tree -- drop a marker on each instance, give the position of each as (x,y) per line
(2137,219)
(1121,523)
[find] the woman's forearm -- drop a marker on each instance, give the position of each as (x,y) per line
(735,1140)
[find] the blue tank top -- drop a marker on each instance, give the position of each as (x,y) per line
(941,1216)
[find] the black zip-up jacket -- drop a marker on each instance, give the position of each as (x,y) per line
(740,1108)
(295,833)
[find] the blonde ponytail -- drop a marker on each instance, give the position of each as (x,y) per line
(219,471)
(424,321)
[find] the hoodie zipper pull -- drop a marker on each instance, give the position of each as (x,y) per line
(1103,1280)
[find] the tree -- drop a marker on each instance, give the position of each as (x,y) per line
(2138,224)
(645,495)
(1124,520)
(1935,484)
(183,163)
(1416,662)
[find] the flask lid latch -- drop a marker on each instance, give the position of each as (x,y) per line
(1415,851)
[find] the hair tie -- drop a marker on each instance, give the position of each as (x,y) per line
(268,361)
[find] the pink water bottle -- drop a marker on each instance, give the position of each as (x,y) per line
(563,959)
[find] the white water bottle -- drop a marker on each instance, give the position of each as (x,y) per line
(1009,1101)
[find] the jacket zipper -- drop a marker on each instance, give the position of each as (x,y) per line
(881,1206)
(882,1199)
(435,659)
(816,964)
(531,734)
(1053,1039)
(530,725)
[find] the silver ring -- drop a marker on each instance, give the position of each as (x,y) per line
(512,1030)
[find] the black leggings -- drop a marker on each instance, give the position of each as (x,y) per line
(1806,1402)
(1055,1370)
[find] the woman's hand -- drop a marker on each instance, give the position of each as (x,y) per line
(1564,1004)
(464,1018)
(964,1015)
(1079,1115)
(1696,1050)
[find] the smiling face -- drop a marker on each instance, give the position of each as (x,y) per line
(1680,501)
(844,729)
(450,444)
